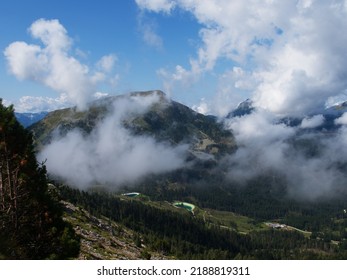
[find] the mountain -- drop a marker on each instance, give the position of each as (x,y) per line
(330,114)
(244,108)
(336,110)
(27,119)
(165,120)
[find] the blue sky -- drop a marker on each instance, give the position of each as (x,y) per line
(99,28)
(205,54)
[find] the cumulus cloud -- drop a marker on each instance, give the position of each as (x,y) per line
(293,50)
(51,64)
(111,154)
(180,77)
(36,104)
(202,107)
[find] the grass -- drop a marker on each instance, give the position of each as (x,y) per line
(241,224)
(307,234)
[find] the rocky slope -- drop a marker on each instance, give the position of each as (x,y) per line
(104,239)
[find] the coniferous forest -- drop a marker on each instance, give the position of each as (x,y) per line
(184,236)
(31,225)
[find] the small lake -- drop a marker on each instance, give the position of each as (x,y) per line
(184,205)
(132,194)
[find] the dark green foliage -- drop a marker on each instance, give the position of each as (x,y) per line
(31,226)
(187,237)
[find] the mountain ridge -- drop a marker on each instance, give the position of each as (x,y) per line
(166,120)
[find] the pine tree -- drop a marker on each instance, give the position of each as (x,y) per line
(31,225)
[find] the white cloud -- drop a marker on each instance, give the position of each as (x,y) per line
(35,104)
(151,37)
(156,5)
(342,120)
(149,33)
(261,145)
(312,122)
(6,102)
(181,76)
(202,107)
(234,86)
(294,51)
(25,61)
(99,95)
(259,125)
(39,104)
(51,33)
(51,64)
(107,62)
(308,164)
(111,154)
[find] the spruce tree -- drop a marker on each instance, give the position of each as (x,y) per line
(31,225)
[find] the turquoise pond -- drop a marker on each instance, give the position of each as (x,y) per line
(132,194)
(184,205)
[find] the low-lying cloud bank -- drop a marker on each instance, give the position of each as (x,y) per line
(111,154)
(312,163)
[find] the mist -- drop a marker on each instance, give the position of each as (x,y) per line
(111,154)
(311,162)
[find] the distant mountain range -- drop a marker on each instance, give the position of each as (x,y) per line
(244,108)
(330,114)
(27,119)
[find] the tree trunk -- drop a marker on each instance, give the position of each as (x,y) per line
(2,196)
(12,207)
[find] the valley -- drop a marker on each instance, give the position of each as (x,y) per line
(141,176)
(158,229)
(196,198)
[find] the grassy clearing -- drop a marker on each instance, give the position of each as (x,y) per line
(305,233)
(224,219)
(230,220)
